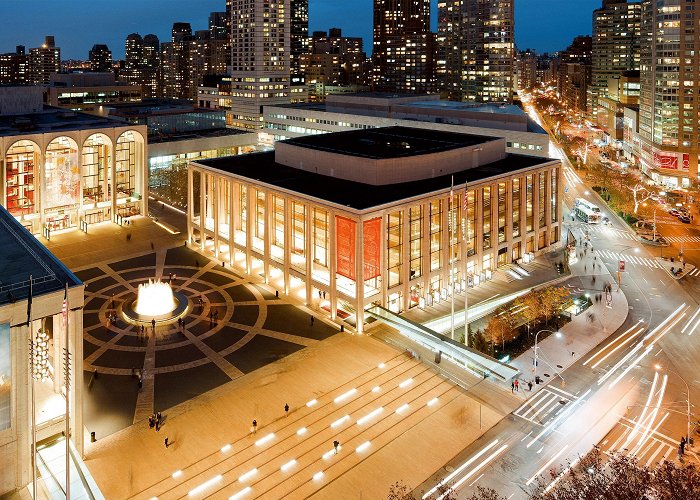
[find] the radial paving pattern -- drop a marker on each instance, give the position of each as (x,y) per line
(239,327)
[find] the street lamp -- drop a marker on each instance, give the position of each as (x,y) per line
(558,335)
(687,388)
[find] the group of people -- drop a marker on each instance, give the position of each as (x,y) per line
(111,317)
(515,385)
(155,420)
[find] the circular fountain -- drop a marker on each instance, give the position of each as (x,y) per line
(157,301)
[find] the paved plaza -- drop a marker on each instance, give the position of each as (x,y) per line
(394,418)
(239,327)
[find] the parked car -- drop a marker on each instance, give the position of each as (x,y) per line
(684,218)
(674,212)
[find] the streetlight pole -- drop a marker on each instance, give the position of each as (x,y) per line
(687,388)
(558,334)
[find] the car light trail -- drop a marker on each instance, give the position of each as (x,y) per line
(529,481)
(653,431)
(459,469)
(244,477)
(204,486)
(611,343)
(265,439)
(644,410)
(690,321)
(402,408)
(562,474)
(629,339)
(654,412)
(560,417)
(288,465)
(362,447)
(318,476)
(406,383)
(340,421)
(370,415)
(345,396)
(474,471)
(632,365)
(241,493)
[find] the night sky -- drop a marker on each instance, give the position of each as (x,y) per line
(545,25)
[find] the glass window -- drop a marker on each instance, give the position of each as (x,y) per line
(320,237)
(435,235)
(125,167)
(471,222)
(394,231)
(62,174)
(299,234)
(97,175)
(516,208)
(278,221)
(260,214)
(416,236)
(21,162)
(541,206)
(528,204)
(501,212)
(486,207)
(554,182)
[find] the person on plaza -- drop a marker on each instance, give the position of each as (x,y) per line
(517,385)
(151,422)
(512,387)
(153,324)
(255,426)
(335,446)
(312,320)
(166,442)
(286,409)
(529,385)
(682,445)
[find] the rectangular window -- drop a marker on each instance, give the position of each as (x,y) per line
(516,207)
(554,182)
(259,214)
(501,212)
(278,222)
(471,222)
(435,235)
(486,207)
(394,245)
(243,212)
(541,206)
(320,237)
(528,204)
(416,240)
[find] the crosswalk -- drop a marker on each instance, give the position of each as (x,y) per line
(655,449)
(595,230)
(684,239)
(545,405)
(629,259)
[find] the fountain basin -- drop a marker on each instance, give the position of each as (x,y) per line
(155,301)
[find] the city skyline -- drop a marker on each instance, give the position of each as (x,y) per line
(75,34)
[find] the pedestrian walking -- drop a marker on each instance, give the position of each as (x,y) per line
(255,426)
(336,444)
(573,354)
(153,324)
(324,295)
(157,425)
(682,445)
(286,409)
(312,320)
(517,385)
(166,443)
(529,385)
(512,387)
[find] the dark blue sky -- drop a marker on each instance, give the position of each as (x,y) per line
(545,25)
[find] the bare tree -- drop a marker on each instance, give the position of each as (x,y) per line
(399,491)
(640,194)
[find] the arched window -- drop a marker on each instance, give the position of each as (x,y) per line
(97,172)
(22,161)
(62,174)
(127,159)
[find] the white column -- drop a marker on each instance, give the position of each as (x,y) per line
(75,332)
(308,231)
(215,193)
(250,215)
(203,209)
(232,222)
(190,202)
(267,240)
(288,225)
(359,273)
(333,262)
(425,248)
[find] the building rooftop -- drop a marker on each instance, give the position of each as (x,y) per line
(262,167)
(52,120)
(502,109)
(24,256)
(387,142)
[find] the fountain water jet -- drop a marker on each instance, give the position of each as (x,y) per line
(154,298)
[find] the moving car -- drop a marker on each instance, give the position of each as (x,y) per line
(684,218)
(674,212)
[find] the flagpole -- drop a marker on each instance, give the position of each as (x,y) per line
(452,261)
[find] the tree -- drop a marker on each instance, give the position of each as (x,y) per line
(552,299)
(399,491)
(529,308)
(500,324)
(640,194)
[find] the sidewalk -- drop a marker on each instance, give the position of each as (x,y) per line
(672,268)
(580,335)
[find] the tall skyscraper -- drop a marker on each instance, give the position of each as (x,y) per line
(668,101)
(14,67)
(43,61)
(142,63)
(575,73)
(616,45)
(477,38)
(299,32)
(175,63)
(100,58)
(260,59)
(405,51)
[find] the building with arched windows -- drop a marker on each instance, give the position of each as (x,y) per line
(348,220)
(61,169)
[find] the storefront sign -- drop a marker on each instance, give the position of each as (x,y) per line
(345,247)
(669,161)
(372,246)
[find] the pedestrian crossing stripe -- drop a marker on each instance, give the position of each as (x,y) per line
(684,239)
(543,406)
(632,259)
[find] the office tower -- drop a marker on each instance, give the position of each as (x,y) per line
(210,51)
(404,52)
(100,58)
(14,67)
(260,59)
(43,61)
(526,69)
(142,63)
(477,38)
(575,73)
(299,32)
(175,63)
(668,102)
(616,45)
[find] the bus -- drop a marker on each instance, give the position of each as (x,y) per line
(587,211)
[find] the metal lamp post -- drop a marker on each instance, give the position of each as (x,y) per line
(558,334)
(687,388)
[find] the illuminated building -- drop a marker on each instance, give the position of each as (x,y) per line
(14,67)
(43,61)
(364,216)
(100,58)
(63,169)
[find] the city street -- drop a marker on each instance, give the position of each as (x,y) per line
(627,394)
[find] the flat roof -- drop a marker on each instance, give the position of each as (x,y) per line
(262,167)
(388,142)
(502,109)
(24,256)
(53,120)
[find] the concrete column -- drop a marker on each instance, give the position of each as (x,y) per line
(523,214)
(190,202)
(308,243)
(425,248)
(113,178)
(548,204)
(333,263)
(494,226)
(288,225)
(59,343)
(384,261)
(216,206)
(232,222)
(202,209)
(359,283)
(267,240)
(22,378)
(250,204)
(479,229)
(445,239)
(509,220)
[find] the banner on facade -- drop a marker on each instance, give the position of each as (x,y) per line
(345,247)
(669,161)
(372,246)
